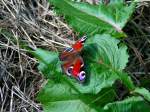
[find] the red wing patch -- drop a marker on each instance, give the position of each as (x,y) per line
(77,67)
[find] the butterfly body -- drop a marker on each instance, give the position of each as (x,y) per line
(72,62)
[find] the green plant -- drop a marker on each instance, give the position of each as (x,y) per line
(105,57)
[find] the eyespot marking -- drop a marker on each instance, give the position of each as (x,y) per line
(81,76)
(69,71)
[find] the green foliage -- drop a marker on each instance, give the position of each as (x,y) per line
(60,96)
(105,61)
(110,58)
(143,92)
(96,19)
(131,104)
(48,62)
(104,67)
(105,58)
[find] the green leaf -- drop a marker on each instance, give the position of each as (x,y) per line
(104,62)
(96,19)
(49,63)
(131,104)
(143,92)
(55,91)
(126,80)
(108,51)
(103,97)
(111,57)
(58,97)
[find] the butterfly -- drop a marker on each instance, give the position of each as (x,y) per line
(72,62)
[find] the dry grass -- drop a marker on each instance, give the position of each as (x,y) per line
(33,23)
(26,23)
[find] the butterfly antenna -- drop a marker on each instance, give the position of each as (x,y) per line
(83,38)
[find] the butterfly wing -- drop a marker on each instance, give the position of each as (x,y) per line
(67,57)
(77,69)
(79,44)
(72,61)
(75,49)
(67,54)
(74,68)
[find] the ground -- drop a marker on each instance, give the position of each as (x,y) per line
(34,23)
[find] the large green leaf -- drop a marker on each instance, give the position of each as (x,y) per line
(96,19)
(59,96)
(104,61)
(111,56)
(131,104)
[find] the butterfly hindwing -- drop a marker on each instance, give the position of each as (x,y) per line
(77,69)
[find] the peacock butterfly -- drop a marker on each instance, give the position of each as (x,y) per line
(72,62)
